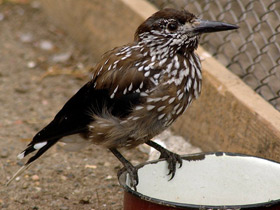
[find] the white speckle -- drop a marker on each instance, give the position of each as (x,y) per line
(116,89)
(162,61)
(180,96)
(185,64)
(109,68)
(196,94)
(135,118)
(198,72)
(123,122)
(169,67)
(190,98)
(157,99)
(147,68)
(150,107)
(150,100)
(176,107)
(147,74)
(199,86)
(39,145)
(189,83)
(137,90)
(137,64)
(91,126)
(179,110)
(156,76)
(104,125)
(193,71)
(161,116)
(139,107)
(141,85)
(164,98)
(21,155)
(113,95)
(161,108)
(106,62)
(171,100)
(143,94)
(174,73)
(195,84)
(99,133)
(169,123)
(153,58)
(178,92)
(141,68)
(125,91)
(130,87)
(177,64)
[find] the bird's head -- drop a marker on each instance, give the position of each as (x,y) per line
(174,30)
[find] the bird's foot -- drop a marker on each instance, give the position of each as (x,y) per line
(133,175)
(131,170)
(172,159)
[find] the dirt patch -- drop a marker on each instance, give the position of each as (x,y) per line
(40,68)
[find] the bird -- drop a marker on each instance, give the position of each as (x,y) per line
(136,91)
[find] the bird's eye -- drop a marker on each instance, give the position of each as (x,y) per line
(172,26)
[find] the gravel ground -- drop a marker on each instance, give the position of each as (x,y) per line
(40,69)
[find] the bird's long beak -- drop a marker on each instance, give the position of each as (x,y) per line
(205,26)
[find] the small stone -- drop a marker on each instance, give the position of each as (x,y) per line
(64,208)
(25,185)
(1,16)
(80,66)
(38,189)
(17,179)
(62,57)
(84,201)
(109,177)
(26,37)
(46,45)
(107,164)
(35,177)
(91,166)
(4,153)
(31,64)
(64,178)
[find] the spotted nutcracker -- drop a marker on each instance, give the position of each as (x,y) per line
(136,91)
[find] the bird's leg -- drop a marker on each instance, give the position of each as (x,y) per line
(132,171)
(170,157)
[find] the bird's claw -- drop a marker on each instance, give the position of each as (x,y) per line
(172,159)
(133,176)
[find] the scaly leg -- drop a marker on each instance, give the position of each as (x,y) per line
(170,157)
(132,171)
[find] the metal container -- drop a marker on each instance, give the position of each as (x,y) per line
(206,181)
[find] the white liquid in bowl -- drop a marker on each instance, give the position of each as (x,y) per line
(215,180)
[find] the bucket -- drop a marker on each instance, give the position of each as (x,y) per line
(205,181)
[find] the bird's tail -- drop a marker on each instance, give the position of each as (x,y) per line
(42,147)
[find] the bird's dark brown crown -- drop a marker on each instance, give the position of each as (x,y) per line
(162,18)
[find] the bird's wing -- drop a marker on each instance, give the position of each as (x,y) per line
(116,85)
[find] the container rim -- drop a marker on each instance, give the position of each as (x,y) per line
(192,157)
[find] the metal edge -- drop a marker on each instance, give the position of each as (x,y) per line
(194,157)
